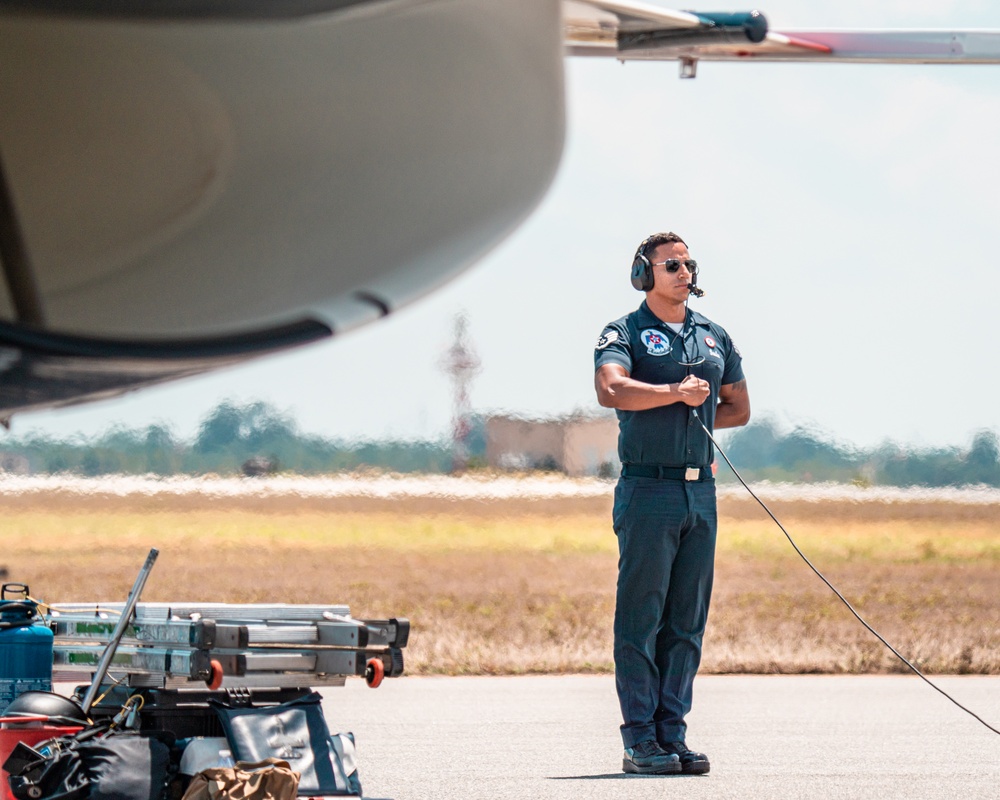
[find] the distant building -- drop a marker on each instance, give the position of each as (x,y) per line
(579,444)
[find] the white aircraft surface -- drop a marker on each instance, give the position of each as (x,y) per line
(185,184)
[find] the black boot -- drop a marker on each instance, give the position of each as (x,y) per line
(692,763)
(648,758)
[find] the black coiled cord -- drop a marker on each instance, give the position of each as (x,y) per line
(833,588)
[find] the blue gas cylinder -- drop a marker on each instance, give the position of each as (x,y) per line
(25,646)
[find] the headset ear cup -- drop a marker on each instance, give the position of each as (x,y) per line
(642,273)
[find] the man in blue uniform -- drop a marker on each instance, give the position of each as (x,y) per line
(665,369)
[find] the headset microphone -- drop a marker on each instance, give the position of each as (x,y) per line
(693,286)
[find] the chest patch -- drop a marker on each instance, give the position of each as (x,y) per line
(655,341)
(710,342)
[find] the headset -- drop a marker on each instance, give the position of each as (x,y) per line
(642,269)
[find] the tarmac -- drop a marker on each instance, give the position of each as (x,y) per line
(787,737)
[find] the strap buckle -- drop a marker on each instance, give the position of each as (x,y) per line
(692,473)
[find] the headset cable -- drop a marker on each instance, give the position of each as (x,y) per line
(833,588)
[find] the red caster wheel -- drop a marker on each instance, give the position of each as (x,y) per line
(374,672)
(215,677)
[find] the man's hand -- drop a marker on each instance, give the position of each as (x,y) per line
(693,390)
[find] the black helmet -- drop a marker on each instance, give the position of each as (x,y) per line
(56,707)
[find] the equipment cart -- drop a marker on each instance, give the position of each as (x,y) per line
(204,672)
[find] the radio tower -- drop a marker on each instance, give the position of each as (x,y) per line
(462,364)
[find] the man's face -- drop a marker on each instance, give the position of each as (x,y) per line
(672,286)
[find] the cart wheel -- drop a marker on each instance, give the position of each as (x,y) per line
(374,672)
(215,675)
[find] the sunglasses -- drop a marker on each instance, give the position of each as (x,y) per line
(674,264)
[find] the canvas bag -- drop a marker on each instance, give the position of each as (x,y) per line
(270,779)
(295,732)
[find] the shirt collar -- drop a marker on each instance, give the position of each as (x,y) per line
(647,319)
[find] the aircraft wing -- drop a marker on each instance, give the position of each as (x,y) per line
(631,31)
(185,184)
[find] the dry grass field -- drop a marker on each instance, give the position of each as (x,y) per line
(517,586)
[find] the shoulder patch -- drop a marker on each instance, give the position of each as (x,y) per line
(607,338)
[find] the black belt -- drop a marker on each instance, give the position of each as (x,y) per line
(666,473)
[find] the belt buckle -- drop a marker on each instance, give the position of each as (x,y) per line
(692,473)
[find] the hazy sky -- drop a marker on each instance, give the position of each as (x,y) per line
(844,217)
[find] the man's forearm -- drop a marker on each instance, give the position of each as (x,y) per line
(728,416)
(632,395)
(617,389)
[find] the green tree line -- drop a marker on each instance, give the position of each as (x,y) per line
(760,452)
(231,436)
(228,438)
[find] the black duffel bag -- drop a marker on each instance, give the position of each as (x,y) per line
(96,765)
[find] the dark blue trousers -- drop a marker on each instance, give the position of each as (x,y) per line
(666,544)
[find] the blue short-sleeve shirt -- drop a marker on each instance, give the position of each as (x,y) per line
(651,351)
